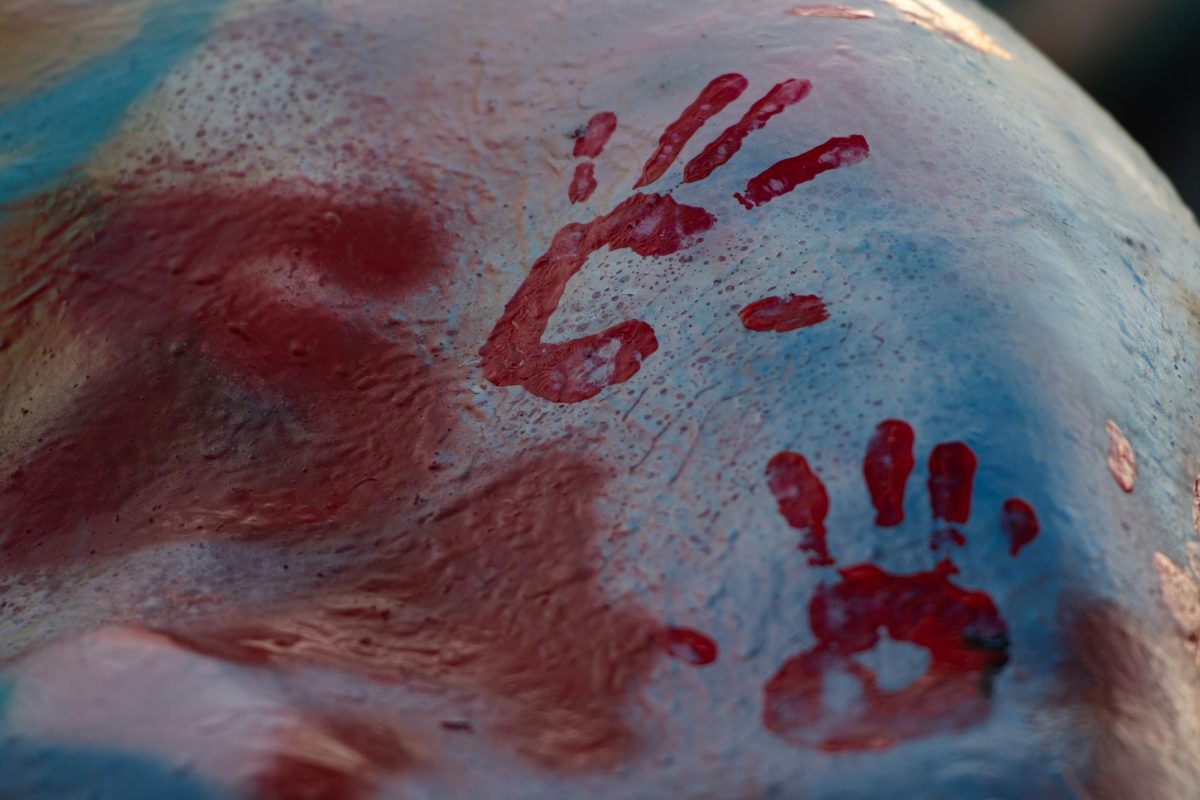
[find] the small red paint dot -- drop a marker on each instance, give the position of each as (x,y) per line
(689,645)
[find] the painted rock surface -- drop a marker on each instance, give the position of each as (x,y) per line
(575,399)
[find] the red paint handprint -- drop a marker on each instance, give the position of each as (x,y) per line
(961,630)
(647,224)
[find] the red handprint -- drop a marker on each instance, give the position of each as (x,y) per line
(649,225)
(962,630)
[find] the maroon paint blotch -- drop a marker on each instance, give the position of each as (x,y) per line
(802,500)
(961,630)
(496,596)
(231,328)
(1019,523)
(723,148)
(590,143)
(572,371)
(688,645)
(583,183)
(784,176)
(886,467)
(951,472)
(713,98)
(780,314)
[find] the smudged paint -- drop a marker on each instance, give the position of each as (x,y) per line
(802,500)
(590,142)
(723,148)
(1121,462)
(1019,523)
(494,593)
(951,472)
(583,183)
(830,11)
(780,315)
(784,176)
(229,317)
(688,645)
(568,372)
(720,92)
(886,467)
(961,630)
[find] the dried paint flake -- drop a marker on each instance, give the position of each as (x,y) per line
(937,17)
(1121,461)
(830,12)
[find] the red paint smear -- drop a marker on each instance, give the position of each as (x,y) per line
(886,467)
(720,92)
(730,141)
(802,500)
(830,11)
(600,127)
(289,778)
(784,176)
(584,182)
(962,631)
(494,594)
(689,645)
(945,538)
(780,315)
(366,752)
(568,372)
(1019,523)
(230,319)
(951,471)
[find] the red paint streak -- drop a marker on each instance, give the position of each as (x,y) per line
(784,176)
(590,143)
(802,500)
(886,467)
(830,11)
(584,182)
(689,645)
(568,372)
(951,471)
(1019,523)
(730,141)
(495,595)
(962,631)
(720,92)
(780,315)
(225,326)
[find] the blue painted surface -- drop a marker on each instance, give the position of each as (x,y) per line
(45,135)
